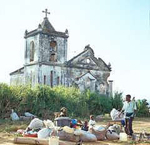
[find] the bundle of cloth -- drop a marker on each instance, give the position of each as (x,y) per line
(115,115)
(38,128)
(108,132)
(103,133)
(113,132)
(75,134)
(98,131)
(45,129)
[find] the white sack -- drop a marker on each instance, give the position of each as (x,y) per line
(36,124)
(44,133)
(116,128)
(99,128)
(115,115)
(112,135)
(28,114)
(49,124)
(14,116)
(87,136)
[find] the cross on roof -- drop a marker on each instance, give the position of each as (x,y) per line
(46,12)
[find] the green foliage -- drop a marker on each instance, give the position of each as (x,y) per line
(117,101)
(142,108)
(98,104)
(43,101)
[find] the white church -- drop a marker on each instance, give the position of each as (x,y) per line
(45,62)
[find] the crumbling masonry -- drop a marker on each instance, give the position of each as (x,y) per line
(46,63)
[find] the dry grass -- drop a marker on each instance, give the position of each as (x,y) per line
(12,126)
(141,124)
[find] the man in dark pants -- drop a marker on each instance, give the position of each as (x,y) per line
(128,127)
(129,109)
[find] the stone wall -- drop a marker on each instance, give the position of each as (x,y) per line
(45,51)
(17,79)
(31,74)
(100,85)
(34,39)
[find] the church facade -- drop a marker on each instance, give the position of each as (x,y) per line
(46,63)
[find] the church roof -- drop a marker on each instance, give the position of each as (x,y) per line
(18,71)
(98,61)
(69,61)
(46,28)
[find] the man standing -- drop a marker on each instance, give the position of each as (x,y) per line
(129,109)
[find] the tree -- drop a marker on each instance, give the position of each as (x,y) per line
(143,108)
(117,101)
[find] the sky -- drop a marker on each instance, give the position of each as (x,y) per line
(117,30)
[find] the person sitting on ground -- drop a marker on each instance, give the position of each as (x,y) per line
(79,124)
(92,121)
(85,126)
(63,112)
(73,123)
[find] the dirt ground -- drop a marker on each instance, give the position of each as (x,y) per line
(7,129)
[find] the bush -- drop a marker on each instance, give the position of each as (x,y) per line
(143,108)
(44,100)
(117,101)
(41,100)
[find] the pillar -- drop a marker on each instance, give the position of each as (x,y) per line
(110,87)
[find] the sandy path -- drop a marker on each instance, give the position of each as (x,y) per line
(7,139)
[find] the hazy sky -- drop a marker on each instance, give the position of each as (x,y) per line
(117,30)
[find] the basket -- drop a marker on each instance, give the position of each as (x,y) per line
(62,121)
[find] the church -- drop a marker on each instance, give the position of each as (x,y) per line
(45,62)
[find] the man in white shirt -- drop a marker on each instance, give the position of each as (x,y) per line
(129,109)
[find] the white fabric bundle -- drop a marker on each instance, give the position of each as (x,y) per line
(49,124)
(14,116)
(36,124)
(28,114)
(99,128)
(44,133)
(87,136)
(115,115)
(111,135)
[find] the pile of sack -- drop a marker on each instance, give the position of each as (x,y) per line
(27,116)
(45,129)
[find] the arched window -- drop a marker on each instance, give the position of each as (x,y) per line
(44,79)
(32,50)
(53,51)
(53,46)
(53,57)
(58,80)
(51,79)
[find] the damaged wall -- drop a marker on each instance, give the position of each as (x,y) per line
(46,62)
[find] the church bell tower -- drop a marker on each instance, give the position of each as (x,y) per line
(45,44)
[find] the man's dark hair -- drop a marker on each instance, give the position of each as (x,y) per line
(128,95)
(91,116)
